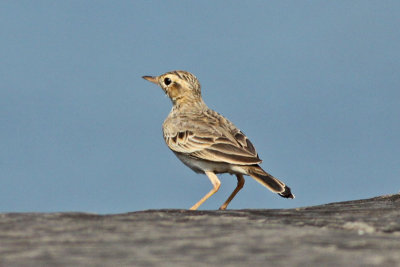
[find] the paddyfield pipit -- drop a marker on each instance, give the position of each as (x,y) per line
(207,142)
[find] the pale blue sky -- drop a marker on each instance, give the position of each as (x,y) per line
(314,84)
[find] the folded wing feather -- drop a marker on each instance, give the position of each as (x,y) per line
(234,150)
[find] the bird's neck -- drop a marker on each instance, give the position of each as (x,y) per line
(185,104)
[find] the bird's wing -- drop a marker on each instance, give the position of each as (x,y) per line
(213,139)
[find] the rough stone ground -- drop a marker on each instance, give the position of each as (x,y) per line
(354,233)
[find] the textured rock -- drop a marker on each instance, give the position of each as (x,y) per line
(353,233)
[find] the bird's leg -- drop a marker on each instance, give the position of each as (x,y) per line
(216,184)
(240,184)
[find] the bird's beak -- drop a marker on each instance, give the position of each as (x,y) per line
(151,79)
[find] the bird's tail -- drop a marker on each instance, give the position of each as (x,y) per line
(269,181)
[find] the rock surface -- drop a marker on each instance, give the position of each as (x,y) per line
(354,233)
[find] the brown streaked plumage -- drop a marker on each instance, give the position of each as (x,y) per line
(206,141)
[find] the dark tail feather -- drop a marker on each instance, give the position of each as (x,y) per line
(270,181)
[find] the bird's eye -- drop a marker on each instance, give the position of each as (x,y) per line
(167,81)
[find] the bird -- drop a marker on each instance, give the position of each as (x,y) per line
(206,141)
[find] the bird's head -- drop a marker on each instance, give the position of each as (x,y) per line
(181,87)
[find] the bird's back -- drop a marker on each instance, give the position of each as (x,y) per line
(206,134)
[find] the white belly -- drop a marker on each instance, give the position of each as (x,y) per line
(201,166)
